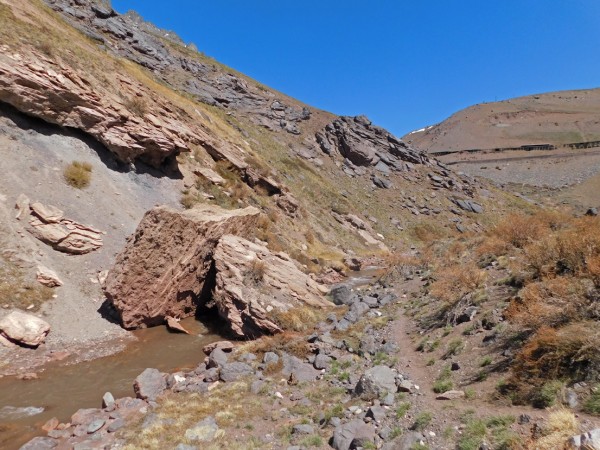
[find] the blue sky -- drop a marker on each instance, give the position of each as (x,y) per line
(405,64)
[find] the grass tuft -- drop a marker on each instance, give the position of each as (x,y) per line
(78,174)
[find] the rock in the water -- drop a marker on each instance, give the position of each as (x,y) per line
(150,384)
(204,431)
(376,382)
(353,434)
(48,277)
(18,412)
(174,325)
(25,329)
(108,401)
(163,269)
(253,285)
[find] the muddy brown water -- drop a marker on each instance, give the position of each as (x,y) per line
(62,390)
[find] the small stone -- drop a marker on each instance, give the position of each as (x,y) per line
(108,401)
(451,395)
(303,429)
(50,424)
(204,431)
(115,425)
(95,425)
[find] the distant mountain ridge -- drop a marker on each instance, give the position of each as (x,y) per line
(554,118)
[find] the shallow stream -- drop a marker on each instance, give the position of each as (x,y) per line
(63,389)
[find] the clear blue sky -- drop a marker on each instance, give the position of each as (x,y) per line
(405,64)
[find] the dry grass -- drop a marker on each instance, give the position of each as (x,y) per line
(17,291)
(78,174)
(137,105)
(290,342)
(300,318)
(229,404)
(453,282)
(258,269)
(560,426)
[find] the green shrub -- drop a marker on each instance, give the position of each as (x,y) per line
(546,395)
(78,174)
(592,404)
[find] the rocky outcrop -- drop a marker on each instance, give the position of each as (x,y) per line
(47,223)
(164,267)
(131,37)
(48,277)
(24,329)
(365,144)
(253,285)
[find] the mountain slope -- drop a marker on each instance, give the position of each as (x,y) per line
(555,118)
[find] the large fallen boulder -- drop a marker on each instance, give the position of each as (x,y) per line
(25,329)
(164,266)
(253,285)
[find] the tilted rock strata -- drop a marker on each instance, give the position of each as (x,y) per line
(47,223)
(365,144)
(164,266)
(59,95)
(253,284)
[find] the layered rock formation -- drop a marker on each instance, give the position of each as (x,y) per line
(252,282)
(58,94)
(164,267)
(131,37)
(365,144)
(48,224)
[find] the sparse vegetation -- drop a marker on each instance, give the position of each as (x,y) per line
(78,174)
(137,105)
(421,421)
(443,383)
(17,291)
(592,404)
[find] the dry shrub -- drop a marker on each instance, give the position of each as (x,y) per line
(518,229)
(78,174)
(288,341)
(300,318)
(137,106)
(593,268)
(427,232)
(551,302)
(492,245)
(454,282)
(258,269)
(569,353)
(560,426)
